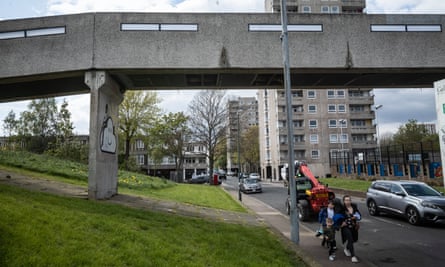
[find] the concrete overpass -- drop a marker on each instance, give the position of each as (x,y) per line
(108,53)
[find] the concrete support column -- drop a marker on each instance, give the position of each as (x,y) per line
(104,111)
(439,87)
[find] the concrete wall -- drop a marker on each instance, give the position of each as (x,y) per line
(95,41)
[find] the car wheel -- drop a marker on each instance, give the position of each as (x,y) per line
(413,216)
(372,208)
(303,210)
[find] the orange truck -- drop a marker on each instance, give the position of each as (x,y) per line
(312,195)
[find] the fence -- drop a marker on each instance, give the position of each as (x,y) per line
(416,160)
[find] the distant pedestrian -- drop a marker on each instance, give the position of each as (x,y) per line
(349,227)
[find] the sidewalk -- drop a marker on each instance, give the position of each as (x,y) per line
(309,247)
(260,214)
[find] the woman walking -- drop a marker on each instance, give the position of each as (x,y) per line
(349,227)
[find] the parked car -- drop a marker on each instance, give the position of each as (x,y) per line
(251,185)
(413,200)
(231,173)
(199,179)
(254,176)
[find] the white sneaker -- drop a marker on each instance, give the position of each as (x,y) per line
(354,259)
(347,252)
(332,257)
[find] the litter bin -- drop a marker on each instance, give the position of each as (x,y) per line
(215,179)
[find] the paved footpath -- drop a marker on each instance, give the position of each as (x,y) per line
(260,214)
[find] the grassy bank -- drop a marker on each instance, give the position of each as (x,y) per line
(39,229)
(47,167)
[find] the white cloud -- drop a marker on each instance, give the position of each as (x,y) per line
(77,6)
(406,6)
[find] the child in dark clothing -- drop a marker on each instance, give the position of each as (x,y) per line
(329,235)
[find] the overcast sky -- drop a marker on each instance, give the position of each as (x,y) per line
(398,105)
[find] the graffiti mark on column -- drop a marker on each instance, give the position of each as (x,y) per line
(107,135)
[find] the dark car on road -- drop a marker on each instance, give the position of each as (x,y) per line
(413,200)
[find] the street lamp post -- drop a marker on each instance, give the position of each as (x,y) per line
(240,198)
(295,235)
(377,107)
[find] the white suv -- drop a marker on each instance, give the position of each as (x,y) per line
(416,201)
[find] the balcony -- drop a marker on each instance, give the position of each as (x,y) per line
(362,115)
(363,130)
(292,5)
(363,100)
(353,6)
(364,144)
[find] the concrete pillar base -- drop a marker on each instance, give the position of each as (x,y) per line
(439,87)
(104,118)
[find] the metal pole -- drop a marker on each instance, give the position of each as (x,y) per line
(240,198)
(287,86)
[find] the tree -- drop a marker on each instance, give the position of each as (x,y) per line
(137,112)
(42,123)
(64,126)
(168,136)
(40,119)
(250,152)
(412,132)
(10,123)
(221,155)
(208,118)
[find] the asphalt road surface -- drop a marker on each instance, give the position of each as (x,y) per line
(383,240)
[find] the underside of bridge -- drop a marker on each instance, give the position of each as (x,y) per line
(73,82)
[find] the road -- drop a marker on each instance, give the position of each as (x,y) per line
(383,241)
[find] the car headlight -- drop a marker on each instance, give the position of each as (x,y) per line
(429,205)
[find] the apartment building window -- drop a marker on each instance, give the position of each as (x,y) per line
(341,108)
(306,9)
(332,123)
(358,123)
(299,154)
(298,93)
(312,108)
(340,93)
(324,9)
(299,138)
(283,139)
(139,144)
(333,138)
(357,108)
(281,124)
(298,108)
(202,161)
(311,94)
(359,138)
(336,94)
(141,160)
(313,124)
(335,9)
(343,123)
(315,154)
(332,108)
(314,138)
(344,138)
(299,124)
